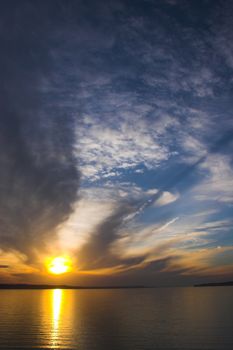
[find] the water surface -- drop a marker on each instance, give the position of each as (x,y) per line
(125,319)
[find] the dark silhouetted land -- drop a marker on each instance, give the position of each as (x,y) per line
(215,284)
(61,286)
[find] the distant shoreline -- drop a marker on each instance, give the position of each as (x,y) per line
(49,286)
(215,284)
(64,286)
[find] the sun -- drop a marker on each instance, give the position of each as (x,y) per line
(59,265)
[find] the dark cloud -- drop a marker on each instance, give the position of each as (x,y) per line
(4,266)
(39,178)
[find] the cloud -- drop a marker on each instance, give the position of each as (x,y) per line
(96,253)
(174,239)
(39,177)
(13,262)
(104,148)
(222,30)
(139,126)
(96,223)
(166,198)
(99,218)
(217,185)
(93,207)
(133,116)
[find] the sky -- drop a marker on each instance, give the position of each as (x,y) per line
(116,140)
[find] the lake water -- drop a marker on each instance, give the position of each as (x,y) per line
(125,319)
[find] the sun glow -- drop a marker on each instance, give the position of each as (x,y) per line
(59,265)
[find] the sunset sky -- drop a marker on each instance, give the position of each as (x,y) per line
(116,141)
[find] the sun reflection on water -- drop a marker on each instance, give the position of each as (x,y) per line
(57,297)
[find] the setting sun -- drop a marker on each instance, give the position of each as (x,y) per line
(59,265)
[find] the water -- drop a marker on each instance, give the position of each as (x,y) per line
(126,319)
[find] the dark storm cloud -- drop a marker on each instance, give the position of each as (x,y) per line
(38,176)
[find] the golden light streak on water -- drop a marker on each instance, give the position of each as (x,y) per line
(57,298)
